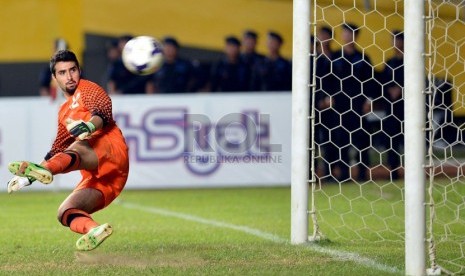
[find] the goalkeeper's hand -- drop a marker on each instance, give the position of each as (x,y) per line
(18,182)
(80,129)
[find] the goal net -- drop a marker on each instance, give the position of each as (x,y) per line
(357,127)
(445,64)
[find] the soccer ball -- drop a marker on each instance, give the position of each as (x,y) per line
(142,55)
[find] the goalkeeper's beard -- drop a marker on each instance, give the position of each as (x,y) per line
(72,89)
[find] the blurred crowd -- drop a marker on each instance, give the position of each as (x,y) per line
(359,109)
(346,89)
(241,68)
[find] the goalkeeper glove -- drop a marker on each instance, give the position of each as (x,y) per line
(80,129)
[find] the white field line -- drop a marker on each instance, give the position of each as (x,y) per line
(339,255)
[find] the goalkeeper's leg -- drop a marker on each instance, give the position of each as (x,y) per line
(75,213)
(31,170)
(63,162)
(81,222)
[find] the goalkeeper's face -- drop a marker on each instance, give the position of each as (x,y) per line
(67,76)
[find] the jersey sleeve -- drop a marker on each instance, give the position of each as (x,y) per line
(62,141)
(98,103)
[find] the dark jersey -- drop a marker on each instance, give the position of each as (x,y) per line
(125,81)
(274,75)
(229,77)
(174,77)
(353,72)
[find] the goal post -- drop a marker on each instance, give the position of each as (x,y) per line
(414,109)
(300,124)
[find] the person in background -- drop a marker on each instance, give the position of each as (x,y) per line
(353,70)
(201,75)
(230,74)
(275,72)
(326,117)
(112,55)
(175,75)
(120,79)
(250,56)
(393,79)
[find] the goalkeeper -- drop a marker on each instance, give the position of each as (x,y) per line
(87,140)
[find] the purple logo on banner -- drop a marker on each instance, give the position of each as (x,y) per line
(168,134)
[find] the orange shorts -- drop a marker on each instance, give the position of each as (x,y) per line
(113,165)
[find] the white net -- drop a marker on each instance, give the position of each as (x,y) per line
(445,26)
(358,149)
(357,125)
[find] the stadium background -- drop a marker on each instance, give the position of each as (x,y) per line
(30,27)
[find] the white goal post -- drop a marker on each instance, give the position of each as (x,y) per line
(300,125)
(414,108)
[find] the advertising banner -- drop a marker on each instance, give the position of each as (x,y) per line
(175,141)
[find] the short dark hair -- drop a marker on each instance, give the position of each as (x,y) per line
(327,29)
(351,27)
(275,36)
(233,40)
(125,37)
(171,41)
(251,34)
(62,55)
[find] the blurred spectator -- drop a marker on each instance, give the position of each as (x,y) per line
(326,117)
(112,55)
(275,72)
(445,132)
(175,75)
(250,56)
(392,124)
(201,76)
(47,87)
(120,79)
(353,70)
(113,50)
(230,73)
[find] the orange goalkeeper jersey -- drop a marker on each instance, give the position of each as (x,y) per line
(108,143)
(88,100)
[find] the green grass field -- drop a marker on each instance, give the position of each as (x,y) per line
(181,232)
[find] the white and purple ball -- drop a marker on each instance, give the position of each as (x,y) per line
(143,55)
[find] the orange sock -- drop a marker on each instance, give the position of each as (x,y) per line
(78,220)
(82,225)
(63,162)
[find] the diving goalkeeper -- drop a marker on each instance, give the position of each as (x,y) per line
(87,140)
